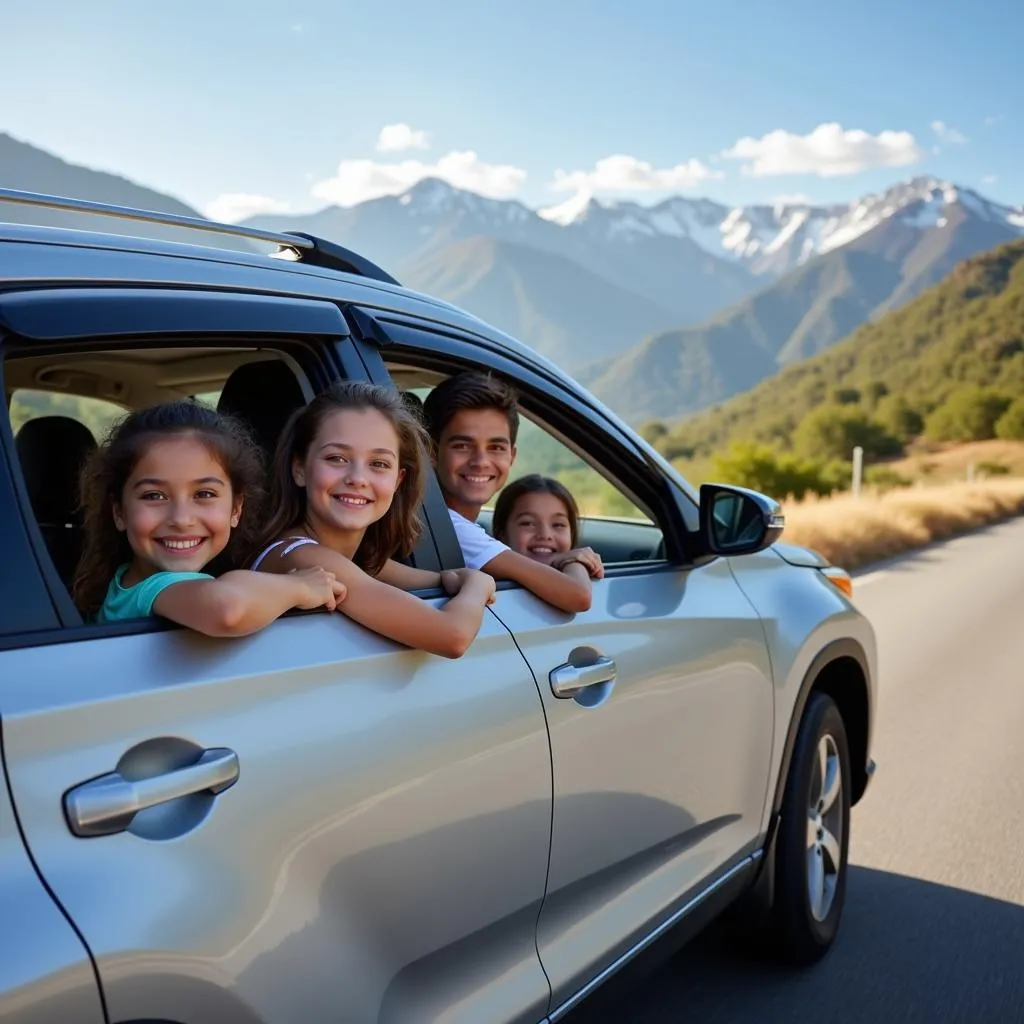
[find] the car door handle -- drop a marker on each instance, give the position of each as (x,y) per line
(107,805)
(567,680)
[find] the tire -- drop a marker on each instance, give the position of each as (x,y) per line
(813,838)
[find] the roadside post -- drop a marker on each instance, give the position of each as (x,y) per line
(858,470)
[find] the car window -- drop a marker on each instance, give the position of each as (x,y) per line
(55,430)
(611,521)
(96,414)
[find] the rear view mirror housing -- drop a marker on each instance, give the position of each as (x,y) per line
(737,520)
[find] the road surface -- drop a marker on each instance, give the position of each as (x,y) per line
(933,930)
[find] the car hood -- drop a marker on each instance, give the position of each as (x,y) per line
(796,555)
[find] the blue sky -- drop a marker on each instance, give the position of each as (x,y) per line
(738,101)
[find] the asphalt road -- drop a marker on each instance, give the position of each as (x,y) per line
(933,929)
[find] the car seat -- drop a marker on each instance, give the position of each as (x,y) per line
(263,395)
(52,451)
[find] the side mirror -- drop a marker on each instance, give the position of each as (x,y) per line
(738,521)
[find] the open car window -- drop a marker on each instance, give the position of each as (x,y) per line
(611,521)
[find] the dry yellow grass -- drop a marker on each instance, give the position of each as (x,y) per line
(851,532)
(943,463)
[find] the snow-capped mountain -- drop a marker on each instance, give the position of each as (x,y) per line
(772,240)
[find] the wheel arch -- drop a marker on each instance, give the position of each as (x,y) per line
(841,670)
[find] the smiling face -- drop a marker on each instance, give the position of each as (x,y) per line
(539,526)
(350,475)
(177,508)
(474,456)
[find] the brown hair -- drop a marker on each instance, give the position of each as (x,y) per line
(397,531)
(470,390)
(534,484)
(107,471)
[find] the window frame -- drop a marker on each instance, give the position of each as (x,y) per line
(319,360)
(440,348)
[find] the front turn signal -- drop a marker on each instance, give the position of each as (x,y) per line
(839,578)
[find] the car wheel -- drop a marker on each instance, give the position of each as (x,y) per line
(813,838)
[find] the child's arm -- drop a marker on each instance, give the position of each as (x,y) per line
(569,589)
(447,631)
(241,602)
(405,577)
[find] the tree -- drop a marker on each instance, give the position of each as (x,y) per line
(1010,426)
(899,418)
(653,431)
(833,431)
(874,393)
(846,396)
(777,475)
(970,414)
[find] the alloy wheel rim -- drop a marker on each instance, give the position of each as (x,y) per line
(824,829)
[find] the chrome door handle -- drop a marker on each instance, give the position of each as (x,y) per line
(107,805)
(567,680)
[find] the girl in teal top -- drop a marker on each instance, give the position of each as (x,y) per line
(164,496)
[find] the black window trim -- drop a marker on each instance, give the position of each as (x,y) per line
(37,611)
(422,344)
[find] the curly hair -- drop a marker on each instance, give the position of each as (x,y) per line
(534,483)
(110,466)
(397,531)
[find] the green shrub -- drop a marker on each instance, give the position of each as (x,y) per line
(970,414)
(833,431)
(898,418)
(776,474)
(1010,426)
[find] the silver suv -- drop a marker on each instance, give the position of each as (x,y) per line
(314,824)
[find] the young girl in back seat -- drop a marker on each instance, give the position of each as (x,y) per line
(537,516)
(162,497)
(348,481)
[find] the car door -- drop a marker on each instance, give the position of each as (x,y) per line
(45,973)
(326,826)
(660,764)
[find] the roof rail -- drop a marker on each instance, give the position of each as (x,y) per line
(318,252)
(308,249)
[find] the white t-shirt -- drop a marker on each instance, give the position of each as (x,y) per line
(478,546)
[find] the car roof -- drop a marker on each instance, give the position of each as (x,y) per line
(32,254)
(35,254)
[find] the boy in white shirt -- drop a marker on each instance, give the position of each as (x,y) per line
(473,420)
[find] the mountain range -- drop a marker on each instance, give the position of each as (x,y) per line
(964,333)
(661,310)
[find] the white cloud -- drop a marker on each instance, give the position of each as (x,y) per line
(298,28)
(947,135)
(236,206)
(989,179)
(994,119)
(620,173)
(394,138)
(359,180)
(829,151)
(793,199)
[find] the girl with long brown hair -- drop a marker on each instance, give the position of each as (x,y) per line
(348,479)
(171,490)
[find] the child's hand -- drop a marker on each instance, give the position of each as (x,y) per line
(318,588)
(587,557)
(455,580)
